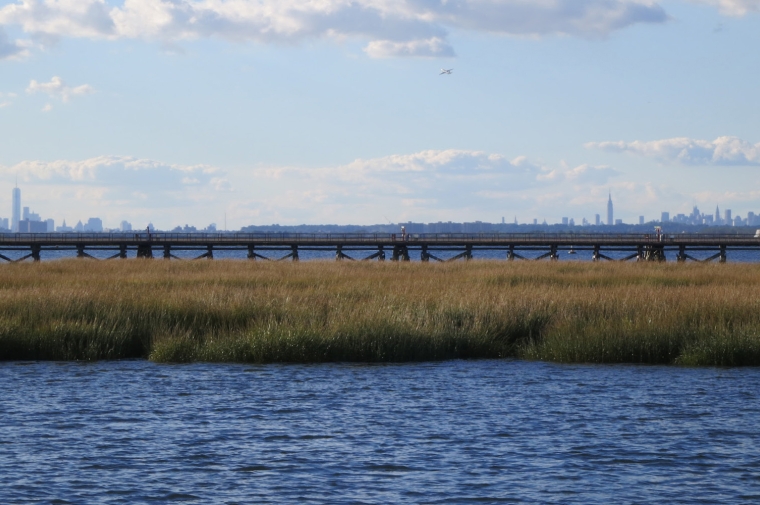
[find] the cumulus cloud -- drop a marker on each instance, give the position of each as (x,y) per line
(391,27)
(119,170)
(10,49)
(733,7)
(435,185)
(120,187)
(57,88)
(434,47)
(451,184)
(686,151)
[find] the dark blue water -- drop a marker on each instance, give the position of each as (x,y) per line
(452,432)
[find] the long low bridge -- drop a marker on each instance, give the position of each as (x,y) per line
(369,246)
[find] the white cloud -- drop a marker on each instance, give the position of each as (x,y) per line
(10,49)
(391,27)
(733,7)
(57,88)
(686,151)
(457,185)
(433,47)
(584,174)
(47,108)
(120,187)
(117,170)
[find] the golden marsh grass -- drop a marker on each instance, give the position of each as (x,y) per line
(692,314)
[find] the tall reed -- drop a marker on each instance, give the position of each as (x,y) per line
(691,314)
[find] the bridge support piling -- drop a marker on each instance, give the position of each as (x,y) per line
(468,253)
(380,254)
(145,251)
(167,252)
(251,252)
(424,256)
(655,253)
(294,254)
(597,256)
(554,256)
(722,254)
(681,258)
(123,251)
(400,253)
(36,252)
(511,253)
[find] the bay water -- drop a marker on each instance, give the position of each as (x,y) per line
(502,431)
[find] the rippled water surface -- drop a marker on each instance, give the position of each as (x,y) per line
(452,432)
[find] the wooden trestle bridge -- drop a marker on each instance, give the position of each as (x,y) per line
(396,247)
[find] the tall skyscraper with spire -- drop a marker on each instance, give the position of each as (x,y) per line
(16,210)
(717,215)
(610,220)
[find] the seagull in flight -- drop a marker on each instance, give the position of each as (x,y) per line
(446,71)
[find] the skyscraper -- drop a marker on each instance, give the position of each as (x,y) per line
(717,215)
(16,210)
(610,221)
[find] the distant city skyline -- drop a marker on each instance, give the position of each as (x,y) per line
(27,221)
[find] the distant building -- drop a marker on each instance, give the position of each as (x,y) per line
(727,219)
(609,211)
(641,219)
(63,228)
(502,219)
(125,226)
(717,215)
(618,221)
(597,219)
(30,216)
(4,223)
(16,210)
(665,218)
(571,222)
(50,225)
(535,221)
(26,226)
(79,228)
(94,224)
(564,221)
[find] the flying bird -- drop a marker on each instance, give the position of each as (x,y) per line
(446,71)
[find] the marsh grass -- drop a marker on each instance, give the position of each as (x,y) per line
(219,311)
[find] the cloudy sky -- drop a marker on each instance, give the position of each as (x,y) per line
(333,111)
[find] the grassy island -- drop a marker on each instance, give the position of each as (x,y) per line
(224,311)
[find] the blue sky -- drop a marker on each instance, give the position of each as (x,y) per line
(332,111)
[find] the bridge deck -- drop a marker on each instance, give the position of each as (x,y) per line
(636,246)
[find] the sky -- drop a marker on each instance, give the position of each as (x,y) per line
(334,111)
